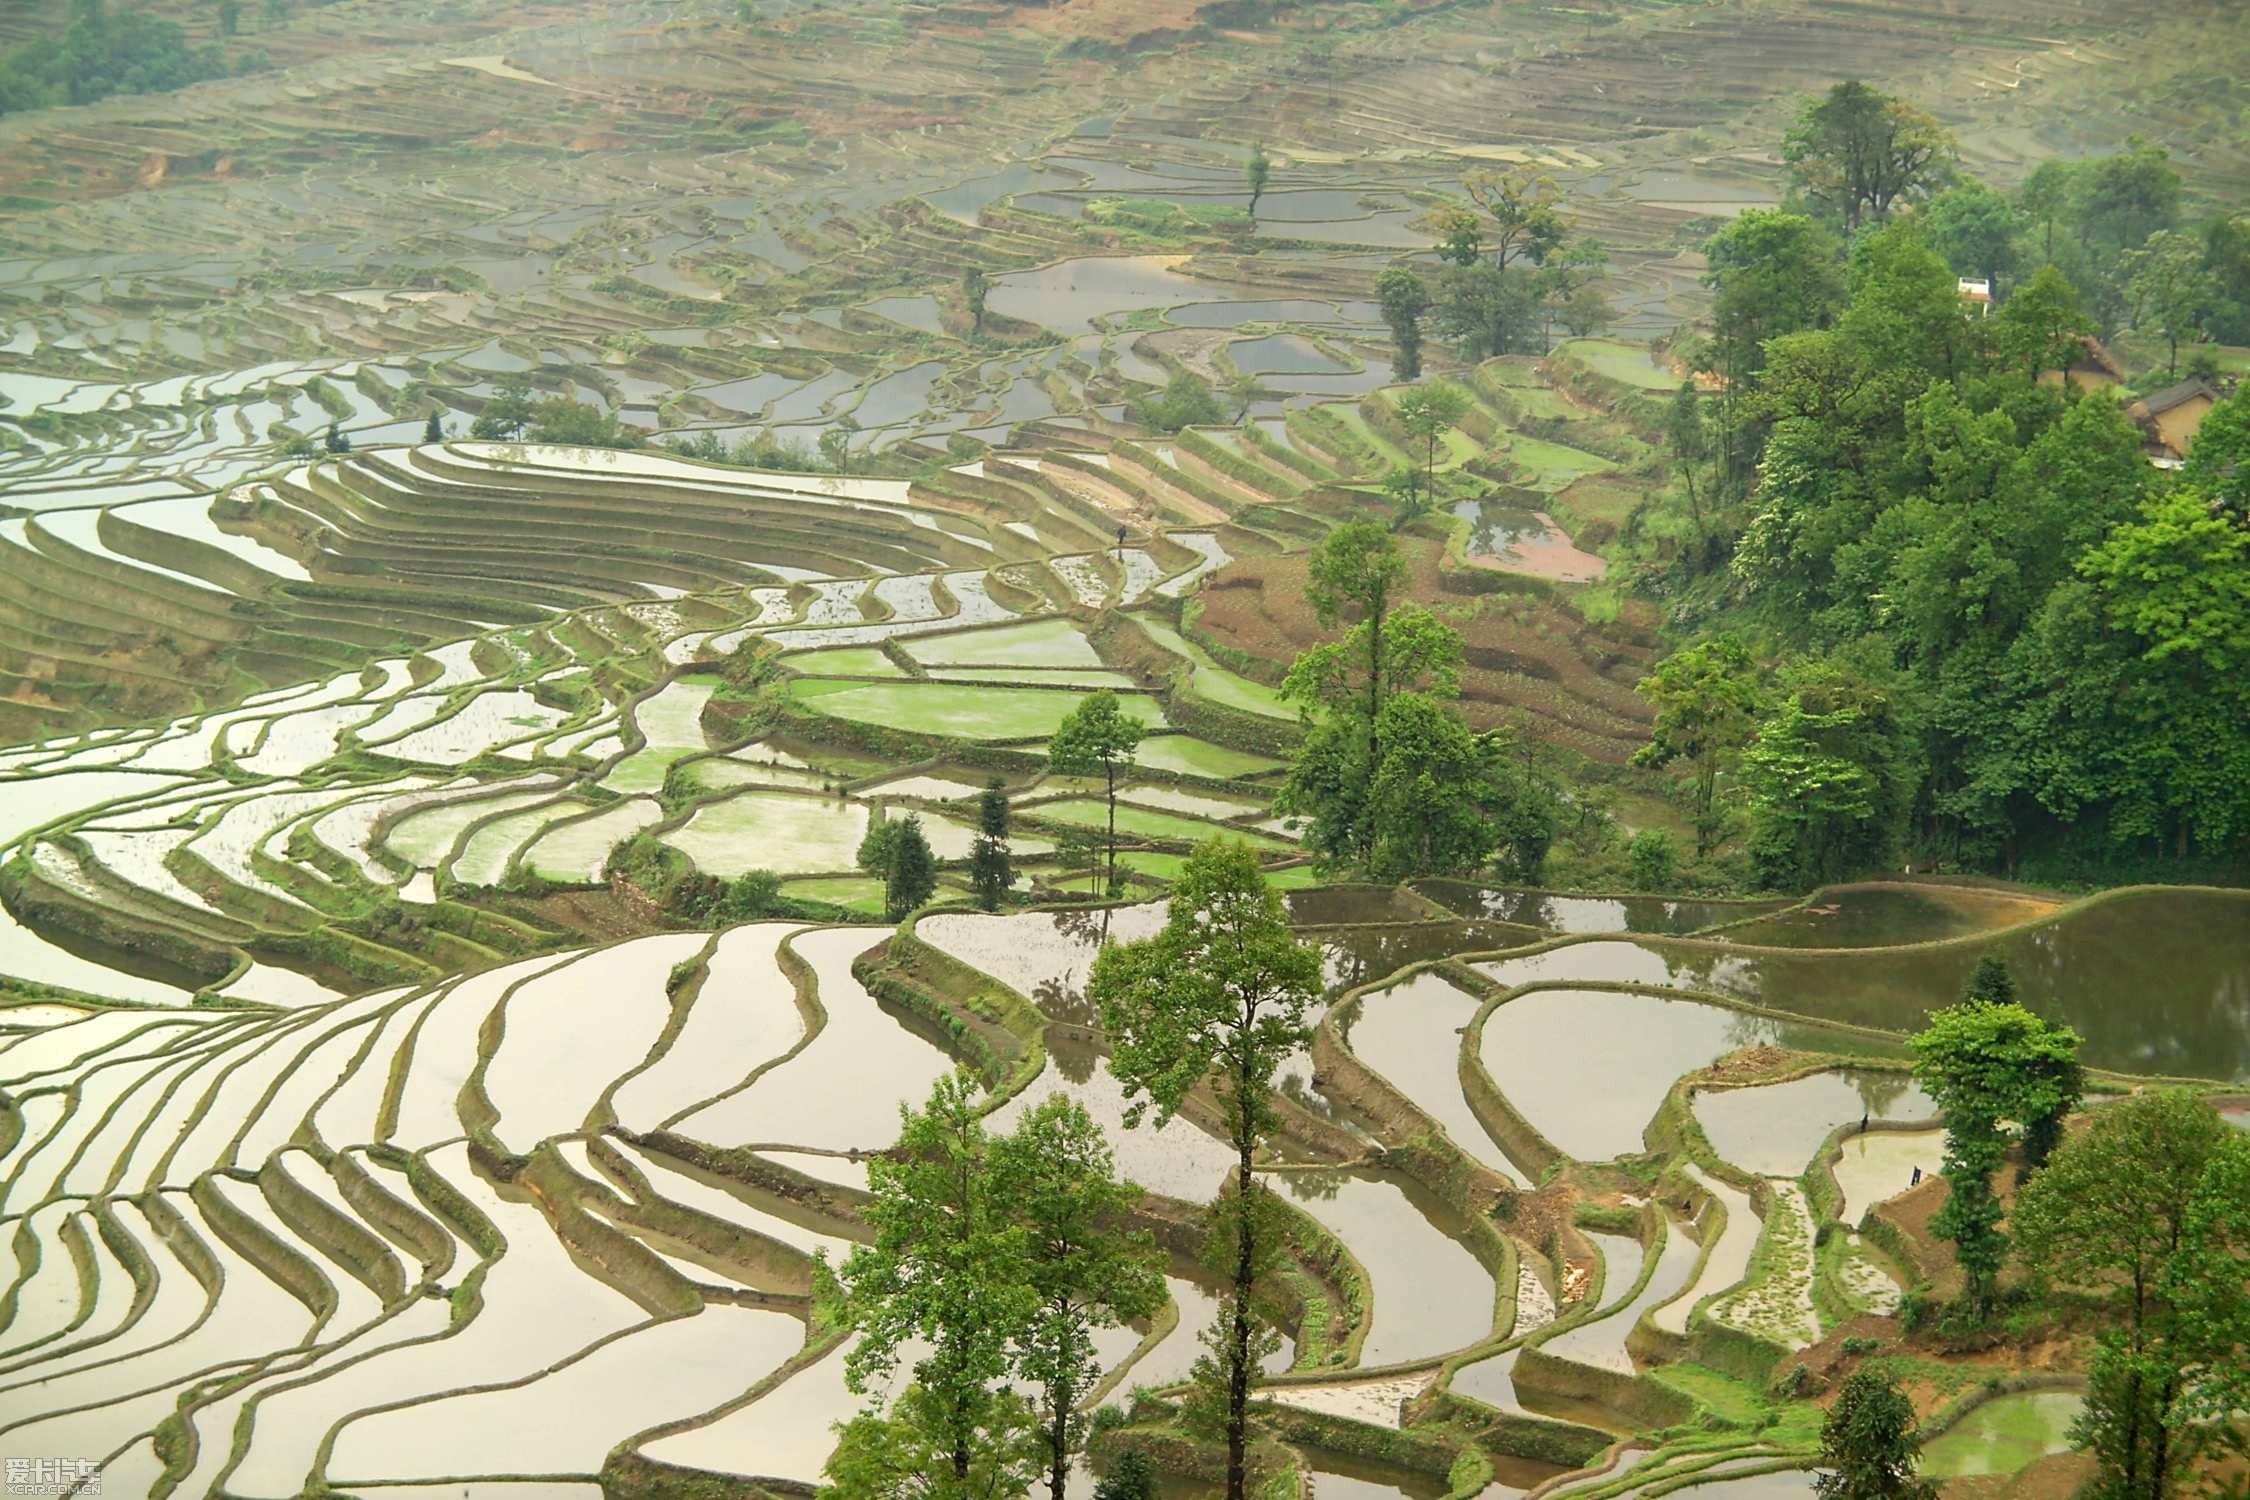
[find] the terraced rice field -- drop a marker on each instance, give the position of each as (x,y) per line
(376,1114)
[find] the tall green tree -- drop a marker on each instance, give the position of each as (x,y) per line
(1257,171)
(1483,310)
(2208,1281)
(991,871)
(905,1453)
(1334,770)
(1829,776)
(913,869)
(1706,698)
(975,287)
(1771,274)
(2110,1218)
(1057,1172)
(943,1272)
(1564,286)
(433,429)
(1404,299)
(1906,313)
(2218,461)
(1990,1067)
(1523,212)
(1219,997)
(1097,739)
(2125,197)
(507,412)
(1868,1446)
(1991,981)
(2038,328)
(1975,229)
(1355,575)
(1687,439)
(2046,200)
(1428,412)
(2168,290)
(1187,400)
(2135,682)
(1409,501)
(878,854)
(1458,231)
(1858,151)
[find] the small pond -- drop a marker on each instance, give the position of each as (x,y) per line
(1281,354)
(1525,541)
(2003,1435)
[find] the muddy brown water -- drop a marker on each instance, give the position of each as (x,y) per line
(1658,915)
(2155,981)
(1885,915)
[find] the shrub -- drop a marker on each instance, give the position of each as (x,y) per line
(754,893)
(1187,401)
(1655,862)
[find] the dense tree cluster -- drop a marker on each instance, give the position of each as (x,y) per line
(1511,273)
(993,1259)
(1187,400)
(511,413)
(99,54)
(1390,781)
(1978,625)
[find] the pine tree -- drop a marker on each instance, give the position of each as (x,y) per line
(433,430)
(878,854)
(1991,981)
(1868,1444)
(1097,739)
(913,870)
(991,872)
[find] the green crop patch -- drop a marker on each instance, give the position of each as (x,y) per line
(956,710)
(1039,643)
(1146,821)
(845,661)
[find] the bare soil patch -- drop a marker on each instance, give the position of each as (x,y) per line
(1527,660)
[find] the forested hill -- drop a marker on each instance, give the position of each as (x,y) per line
(1938,605)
